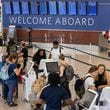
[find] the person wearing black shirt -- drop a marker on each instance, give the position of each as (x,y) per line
(24,52)
(11,47)
(103,78)
(1,41)
(53,95)
(40,54)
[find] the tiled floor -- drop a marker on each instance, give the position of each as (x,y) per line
(80,68)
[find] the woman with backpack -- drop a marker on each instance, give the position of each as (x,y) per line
(90,78)
(4,86)
(13,71)
(88,82)
(63,79)
(2,72)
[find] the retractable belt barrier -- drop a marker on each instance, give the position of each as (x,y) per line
(85,52)
(75,58)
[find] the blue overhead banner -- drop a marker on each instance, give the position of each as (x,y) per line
(86,15)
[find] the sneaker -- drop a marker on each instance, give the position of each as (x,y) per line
(5,101)
(12,105)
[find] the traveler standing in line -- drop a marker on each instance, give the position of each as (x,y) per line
(12,47)
(103,78)
(24,52)
(13,72)
(40,54)
(89,82)
(63,80)
(53,95)
(55,51)
(4,68)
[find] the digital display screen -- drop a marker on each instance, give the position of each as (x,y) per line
(82,8)
(11,31)
(34,7)
(52,67)
(25,7)
(71,7)
(87,99)
(92,8)
(43,7)
(52,8)
(16,7)
(29,66)
(7,7)
(62,7)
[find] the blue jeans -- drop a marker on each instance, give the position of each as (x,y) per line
(11,85)
(4,90)
(2,83)
(16,89)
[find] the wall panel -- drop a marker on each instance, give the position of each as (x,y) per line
(47,36)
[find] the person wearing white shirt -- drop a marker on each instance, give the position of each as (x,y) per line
(55,51)
(90,78)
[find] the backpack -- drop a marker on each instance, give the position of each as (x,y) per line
(69,73)
(50,55)
(4,72)
(59,49)
(79,86)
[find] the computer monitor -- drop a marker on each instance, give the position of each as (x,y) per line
(62,7)
(52,67)
(71,7)
(34,7)
(92,8)
(7,7)
(81,7)
(43,7)
(29,67)
(52,8)
(16,7)
(88,99)
(25,7)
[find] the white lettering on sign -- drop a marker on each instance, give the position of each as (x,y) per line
(84,21)
(70,21)
(49,20)
(29,20)
(13,20)
(52,21)
(78,22)
(34,20)
(91,22)
(58,21)
(75,21)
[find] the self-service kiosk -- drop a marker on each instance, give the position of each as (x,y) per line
(48,65)
(28,80)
